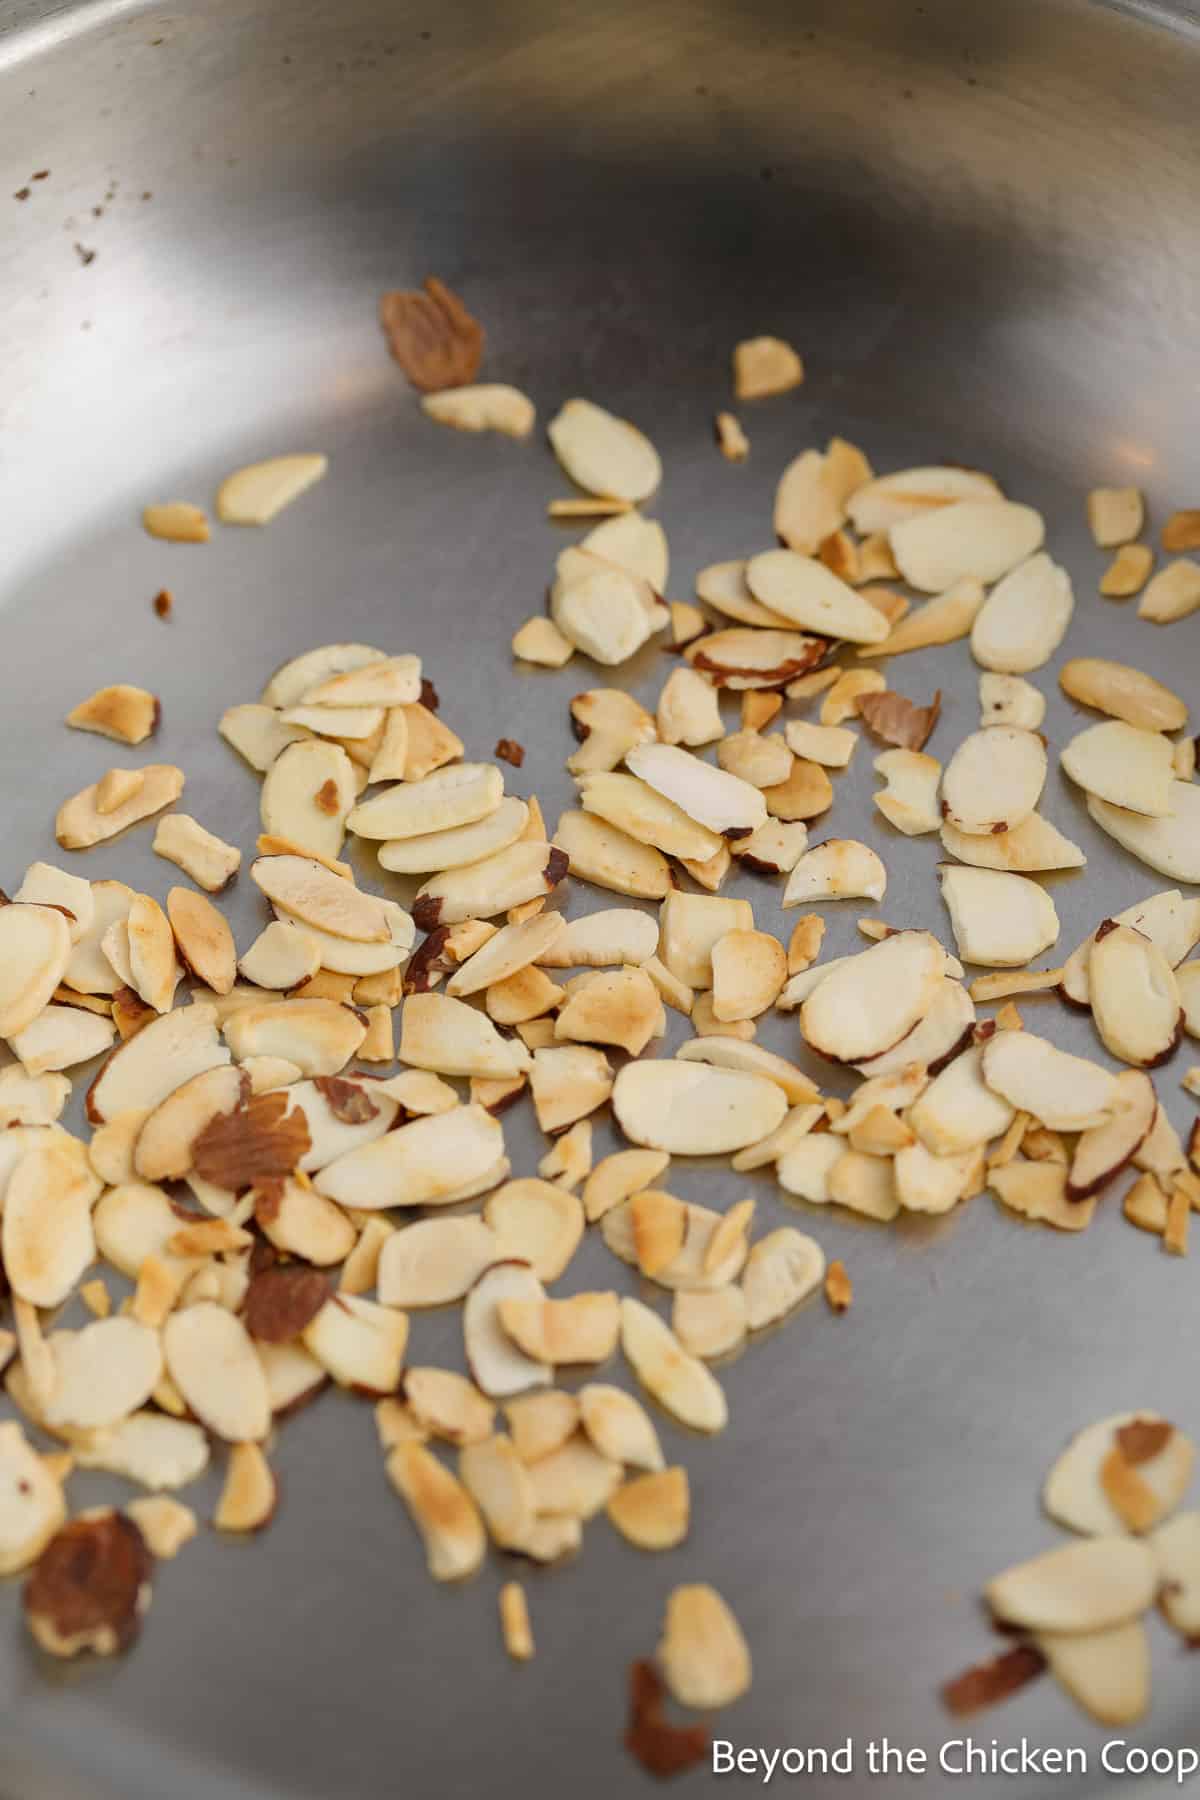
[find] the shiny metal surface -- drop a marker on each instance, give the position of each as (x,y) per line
(980,224)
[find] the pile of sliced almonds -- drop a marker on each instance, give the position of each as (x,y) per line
(277,1213)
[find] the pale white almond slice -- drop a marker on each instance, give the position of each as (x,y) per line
(710,1324)
(1171,845)
(1115,515)
(434,1261)
(810,500)
(163,1149)
(452,1038)
(32,1504)
(604,454)
(603,609)
(679,1382)
(509,950)
(1167,919)
(47,1238)
(44,885)
(635,543)
(690,1110)
(1171,594)
(762,761)
(709,795)
(540,1423)
(319,1036)
(388,681)
(912,493)
(35,949)
(461,844)
(998,919)
(442,1509)
(838,869)
(1010,700)
(982,539)
(805,1168)
(939,1035)
(525,871)
(1104,1151)
(1176,1547)
(142,1071)
(690,925)
(940,621)
(1187,979)
(202,938)
(910,800)
(134,1222)
(149,1448)
(601,853)
(872,1000)
(782,1269)
(774,848)
(926,1183)
(568,1082)
(458,795)
(540,641)
(830,745)
(619,935)
(1034,847)
(253,495)
(1135,998)
(537,1223)
(958,1110)
(313,894)
(892,1093)
(350,956)
(1024,618)
(34,1100)
(104,1372)
(1124,766)
(642,813)
(723,586)
(307,795)
(83,821)
(749,969)
(804,591)
(151,944)
(1122,692)
(417,1092)
(1076,1495)
(428,1162)
(607,723)
(358,1342)
(341,1115)
(281,956)
(499,1367)
(209,861)
(212,1361)
(258,733)
(1076,1588)
(688,710)
(994,780)
(618,1177)
(702,1653)
(1107,1673)
(59,1038)
(619,1427)
(1064,1092)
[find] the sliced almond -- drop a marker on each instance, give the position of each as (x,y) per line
(499,1367)
(1172,594)
(874,999)
(282,956)
(603,454)
(361,1344)
(600,853)
(749,969)
(910,800)
(462,844)
(1128,571)
(983,539)
(782,1269)
(537,1223)
(319,1036)
(212,1362)
(255,494)
(1135,998)
(703,1654)
(617,1177)
(448,798)
(32,1099)
(143,1071)
(176,521)
(941,621)
(434,1261)
(1082,1587)
(999,919)
(1169,844)
(442,1510)
(1074,1493)
(838,869)
(803,590)
(1123,765)
(1066,1093)
(713,798)
(1105,1672)
(249,1495)
(495,1477)
(653,1511)
(692,1110)
(59,1038)
(1176,1547)
(167,1525)
(307,796)
(911,493)
(540,641)
(640,812)
(1034,847)
(448,1406)
(805,793)
(258,733)
(452,1038)
(567,1083)
(681,1384)
(620,1007)
(525,871)
(774,848)
(35,948)
(1037,1190)
(490,406)
(688,710)
(723,587)
(575,1480)
(691,925)
(583,1329)
(209,861)
(202,938)
(710,1324)
(762,761)
(47,1225)
(1115,515)
(541,1422)
(104,1372)
(1125,693)
(994,780)
(763,366)
(958,1111)
(314,895)
(430,1161)
(853,685)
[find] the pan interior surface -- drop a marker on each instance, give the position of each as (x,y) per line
(978,225)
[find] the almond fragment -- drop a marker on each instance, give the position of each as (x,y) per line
(539,640)
(702,1652)
(1171,594)
(940,621)
(583,1329)
(211,863)
(1175,1231)
(1115,515)
(1037,1190)
(500,1485)
(681,1384)
(176,521)
(749,969)
(253,495)
(32,1506)
(567,1083)
(91,1586)
(1123,765)
(90,817)
(540,1423)
(165,1524)
(499,1367)
(537,1223)
(570,1158)
(838,869)
(514,1622)
(688,711)
(653,1511)
(487,407)
(782,1270)
(1001,919)
(128,714)
(1010,700)
(732,441)
(249,1495)
(1169,844)
(603,454)
(764,366)
(1128,571)
(442,1510)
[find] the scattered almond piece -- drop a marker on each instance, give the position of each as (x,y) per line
(1128,572)
(732,441)
(764,366)
(177,521)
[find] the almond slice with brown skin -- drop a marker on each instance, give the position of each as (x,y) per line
(1135,998)
(703,1654)
(442,1510)
(931,1044)
(1103,1152)
(1079,1588)
(994,780)
(163,1149)
(681,1384)
(257,733)
(873,999)
(806,592)
(1075,1493)
(525,871)
(752,660)
(91,1586)
(1066,1093)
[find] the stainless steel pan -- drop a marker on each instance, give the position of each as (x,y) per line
(981,225)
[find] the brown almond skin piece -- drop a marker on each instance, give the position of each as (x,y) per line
(432,336)
(92,1582)
(1142,1439)
(345,1099)
(986,1683)
(662,1748)
(260,1141)
(281,1300)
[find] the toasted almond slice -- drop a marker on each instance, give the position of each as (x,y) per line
(1066,1093)
(1123,765)
(830,745)
(723,587)
(319,1036)
(640,812)
(804,591)
(426,1163)
(603,454)
(713,798)
(524,871)
(796,1125)
(713,1251)
(958,1111)
(1171,594)
(1074,1494)
(115,788)
(32,1099)
(1123,692)
(582,1329)
(1128,571)
(435,1261)
(705,1021)
(1115,515)
(691,1110)
(688,710)
(313,894)
(574,1480)
(47,1224)
(104,1372)
(540,1423)
(59,1038)
(607,723)
(994,780)
(537,1223)
(1010,700)
(281,956)
(1171,844)
(1037,1190)
(488,406)
(749,969)
(1105,1672)
(1030,981)
(167,1525)
(782,1270)
(127,714)
(258,733)
(774,848)
(176,521)
(687,623)
(603,609)
(452,1038)
(45,885)
(249,1495)
(653,1511)
(934,1041)
(619,1007)
(619,1426)
(1104,1151)
(540,641)
(659,1222)
(1034,847)
(209,861)
(710,1324)
(211,1360)
(874,999)
(505,953)
(600,853)
(681,1384)
(865,1184)
(690,926)
(202,938)
(519,998)
(163,1148)
(567,1083)
(307,796)
(838,869)
(1024,619)
(926,1183)
(852,685)
(1145,1205)
(618,935)
(617,1177)
(143,1071)
(909,801)
(911,493)
(1078,1588)
(880,1133)
(810,501)
(1135,998)
(446,1405)
(35,949)
(361,1344)
(763,366)
(1176,1547)
(1000,919)
(500,1485)
(982,539)
(151,946)
(806,792)
(499,1367)
(428,743)
(1170,922)
(732,441)
(940,621)
(762,761)
(442,1509)
(747,661)
(449,798)
(702,1653)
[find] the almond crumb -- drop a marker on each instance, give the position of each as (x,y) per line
(509,751)
(163,603)
(514,1622)
(839,1290)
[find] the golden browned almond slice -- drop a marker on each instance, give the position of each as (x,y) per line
(1078,1588)
(1010,700)
(732,441)
(1123,765)
(762,761)
(619,1007)
(249,1495)
(702,1653)
(865,1184)
(91,1586)
(994,780)
(1066,1093)
(312,894)
(933,1184)
(166,1524)
(1038,1191)
(1172,594)
(1162,1457)
(500,1484)
(163,1147)
(607,723)
(1123,692)
(176,521)
(838,869)
(608,857)
(442,1510)
(568,1082)
(489,406)
(574,1481)
(361,1344)
(999,919)
(153,969)
(1115,515)
(1182,530)
(619,1426)
(45,885)
(781,1270)
(582,1329)
(537,1223)
(115,788)
(452,1038)
(1034,847)
(1107,1672)
(687,623)
(690,925)
(749,969)
(843,698)
(498,1365)
(147,1447)
(319,1036)
(774,848)
(253,495)
(688,710)
(448,1406)
(723,587)
(958,1110)
(128,714)
(1103,1152)
(1145,1205)
(541,1422)
(1167,919)
(634,543)
(709,1324)
(603,454)
(681,1384)
(539,640)
(710,796)
(1135,998)
(211,863)
(282,956)
(47,1224)
(505,953)
(652,1511)
(830,745)
(618,935)
(688,1109)
(873,999)
(618,1177)
(640,812)
(80,822)
(763,366)
(430,1161)
(525,871)
(940,621)
(1128,571)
